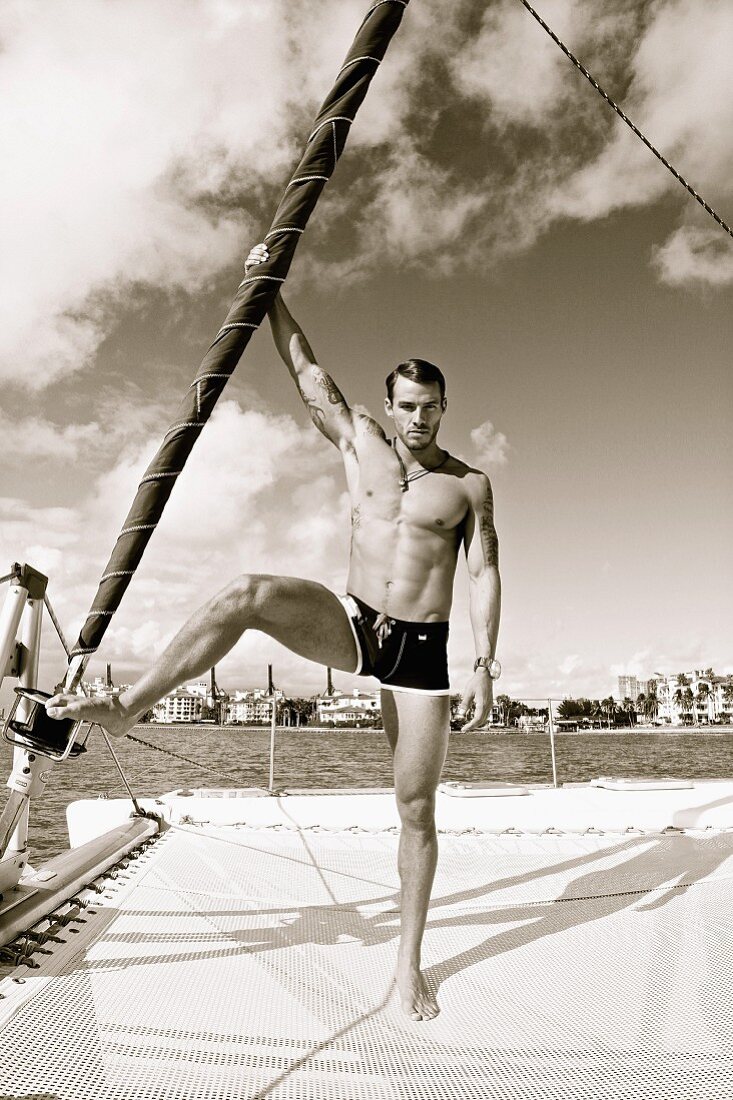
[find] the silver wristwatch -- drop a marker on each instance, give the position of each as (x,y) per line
(492,666)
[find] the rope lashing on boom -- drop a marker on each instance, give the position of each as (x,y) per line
(254,297)
(622,115)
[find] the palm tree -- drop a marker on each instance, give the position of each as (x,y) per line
(679,698)
(704,696)
(629,707)
(651,704)
(569,708)
(689,703)
(503,702)
(728,696)
(609,706)
(683,682)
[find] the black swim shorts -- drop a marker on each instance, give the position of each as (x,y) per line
(409,657)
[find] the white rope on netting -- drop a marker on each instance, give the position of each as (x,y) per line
(625,118)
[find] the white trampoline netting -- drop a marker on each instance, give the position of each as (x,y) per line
(240,962)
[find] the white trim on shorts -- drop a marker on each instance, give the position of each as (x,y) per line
(416,691)
(352,612)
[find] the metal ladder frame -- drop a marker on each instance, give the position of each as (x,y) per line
(20,642)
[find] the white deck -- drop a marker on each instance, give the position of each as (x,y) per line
(255,960)
(704,804)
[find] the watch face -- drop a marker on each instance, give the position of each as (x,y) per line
(494,670)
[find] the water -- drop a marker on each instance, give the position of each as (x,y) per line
(356,758)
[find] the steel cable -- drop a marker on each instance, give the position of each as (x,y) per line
(632,126)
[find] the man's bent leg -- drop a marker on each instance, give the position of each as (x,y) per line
(418,729)
(305,616)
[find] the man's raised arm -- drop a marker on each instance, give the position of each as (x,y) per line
(482,555)
(321,396)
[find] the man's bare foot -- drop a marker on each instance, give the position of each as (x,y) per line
(417,1001)
(108,712)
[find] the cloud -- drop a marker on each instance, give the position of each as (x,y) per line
(41,439)
(491,446)
(571,664)
(137,141)
(681,97)
(693,255)
(640,664)
(139,149)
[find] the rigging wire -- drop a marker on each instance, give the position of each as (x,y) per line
(670,167)
(178,756)
(57,624)
(138,809)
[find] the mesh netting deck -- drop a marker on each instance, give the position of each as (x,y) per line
(258,962)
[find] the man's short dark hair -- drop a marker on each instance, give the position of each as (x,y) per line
(417,370)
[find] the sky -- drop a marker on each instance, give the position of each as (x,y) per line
(490,214)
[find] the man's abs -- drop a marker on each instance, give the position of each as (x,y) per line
(403,571)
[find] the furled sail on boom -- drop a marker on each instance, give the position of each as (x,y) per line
(254,297)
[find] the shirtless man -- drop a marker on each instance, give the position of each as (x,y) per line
(413,506)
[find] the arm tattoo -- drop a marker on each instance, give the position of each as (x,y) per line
(327,384)
(489,540)
(314,404)
(314,409)
(371,427)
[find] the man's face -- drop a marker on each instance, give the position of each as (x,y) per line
(417,410)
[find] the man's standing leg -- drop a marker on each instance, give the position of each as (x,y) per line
(418,728)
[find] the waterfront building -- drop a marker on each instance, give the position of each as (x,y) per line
(341,708)
(99,686)
(534,723)
(181,705)
(693,697)
(247,707)
(631,687)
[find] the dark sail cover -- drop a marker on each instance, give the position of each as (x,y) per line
(254,297)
